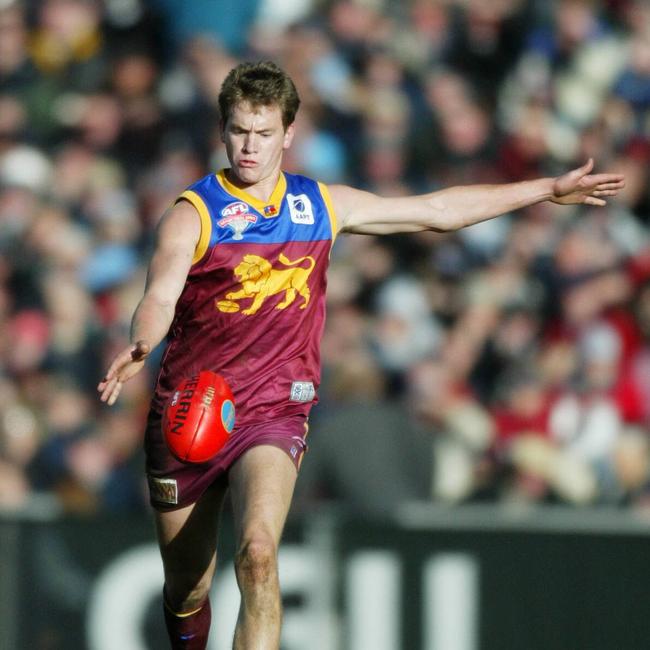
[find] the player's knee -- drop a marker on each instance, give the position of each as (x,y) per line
(256,562)
(185,592)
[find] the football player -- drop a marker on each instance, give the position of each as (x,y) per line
(237,285)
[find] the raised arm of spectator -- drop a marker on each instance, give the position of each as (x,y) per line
(176,239)
(457,207)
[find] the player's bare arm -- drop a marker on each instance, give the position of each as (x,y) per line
(176,238)
(456,207)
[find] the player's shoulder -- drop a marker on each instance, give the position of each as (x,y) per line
(300,180)
(205,183)
(181,221)
(299,184)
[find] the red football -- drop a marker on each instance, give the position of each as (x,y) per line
(199,417)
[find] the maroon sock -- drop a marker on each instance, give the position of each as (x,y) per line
(189,632)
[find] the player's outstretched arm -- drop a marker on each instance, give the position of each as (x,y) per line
(176,239)
(457,207)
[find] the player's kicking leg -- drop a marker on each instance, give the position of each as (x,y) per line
(261,484)
(188,540)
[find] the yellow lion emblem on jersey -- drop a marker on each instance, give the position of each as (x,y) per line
(259,280)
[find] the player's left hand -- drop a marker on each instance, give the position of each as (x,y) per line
(580,186)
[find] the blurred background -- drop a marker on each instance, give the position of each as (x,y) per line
(491,384)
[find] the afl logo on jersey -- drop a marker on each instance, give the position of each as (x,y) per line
(236,217)
(300,209)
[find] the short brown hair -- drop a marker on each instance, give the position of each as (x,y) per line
(261,84)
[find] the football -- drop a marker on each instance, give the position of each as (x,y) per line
(199,417)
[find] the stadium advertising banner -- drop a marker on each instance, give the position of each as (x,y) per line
(469,579)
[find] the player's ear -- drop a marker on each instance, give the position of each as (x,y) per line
(288,136)
(222,129)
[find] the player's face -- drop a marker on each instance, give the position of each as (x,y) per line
(255,139)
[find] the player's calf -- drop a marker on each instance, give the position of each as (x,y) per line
(186,592)
(188,630)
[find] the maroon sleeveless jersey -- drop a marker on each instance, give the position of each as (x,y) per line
(253,305)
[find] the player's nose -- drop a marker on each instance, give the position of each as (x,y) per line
(250,143)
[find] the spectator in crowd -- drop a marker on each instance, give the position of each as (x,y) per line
(101,128)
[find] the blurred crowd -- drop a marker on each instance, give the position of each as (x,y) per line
(507,361)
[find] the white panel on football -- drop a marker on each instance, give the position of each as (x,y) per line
(450,603)
(373,594)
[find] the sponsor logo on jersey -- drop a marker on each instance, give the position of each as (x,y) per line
(302,391)
(300,209)
(163,490)
(259,280)
(236,217)
(271,211)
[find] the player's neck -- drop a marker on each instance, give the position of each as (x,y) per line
(261,190)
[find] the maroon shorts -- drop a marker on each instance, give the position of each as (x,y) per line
(173,484)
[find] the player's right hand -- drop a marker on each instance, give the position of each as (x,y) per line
(125,365)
